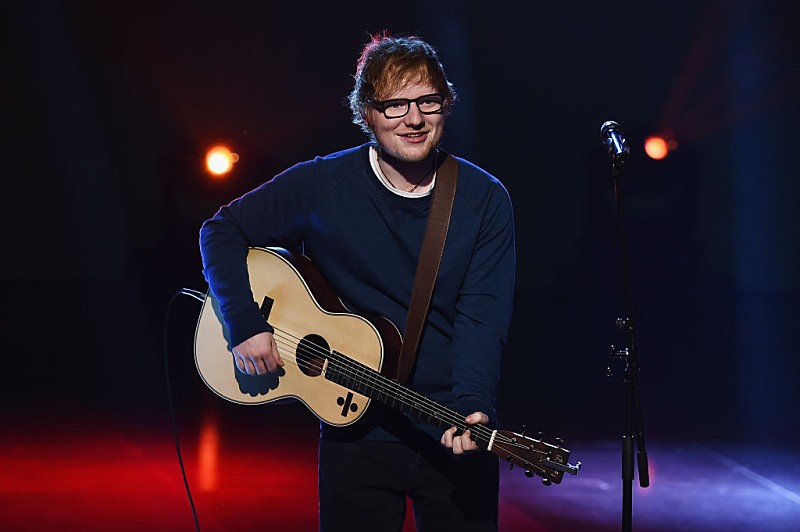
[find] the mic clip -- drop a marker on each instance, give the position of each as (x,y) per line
(612,138)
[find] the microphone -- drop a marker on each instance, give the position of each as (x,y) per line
(612,138)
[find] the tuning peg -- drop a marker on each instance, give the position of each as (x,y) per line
(528,473)
(559,442)
(547,481)
(541,435)
(510,466)
(523,431)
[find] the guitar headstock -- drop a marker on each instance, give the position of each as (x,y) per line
(536,457)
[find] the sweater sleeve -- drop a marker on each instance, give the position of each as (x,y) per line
(483,310)
(273,214)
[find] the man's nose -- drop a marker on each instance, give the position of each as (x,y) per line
(414,118)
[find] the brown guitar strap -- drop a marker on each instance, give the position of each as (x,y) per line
(430,256)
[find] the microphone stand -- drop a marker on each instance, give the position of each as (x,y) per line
(633,413)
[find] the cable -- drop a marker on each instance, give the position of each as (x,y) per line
(200,297)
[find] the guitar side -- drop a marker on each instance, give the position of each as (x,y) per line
(304,312)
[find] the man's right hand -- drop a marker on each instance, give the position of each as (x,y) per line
(258,355)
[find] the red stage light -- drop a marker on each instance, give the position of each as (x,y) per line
(208,454)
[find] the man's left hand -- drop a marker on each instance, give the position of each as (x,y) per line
(463,444)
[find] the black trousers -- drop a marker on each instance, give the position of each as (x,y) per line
(363,487)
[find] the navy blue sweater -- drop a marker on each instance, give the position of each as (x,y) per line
(366,241)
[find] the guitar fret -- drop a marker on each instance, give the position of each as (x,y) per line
(364,380)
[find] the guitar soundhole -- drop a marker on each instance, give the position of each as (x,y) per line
(312,351)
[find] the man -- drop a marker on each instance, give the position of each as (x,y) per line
(360,215)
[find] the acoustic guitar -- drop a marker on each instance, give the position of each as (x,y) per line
(336,362)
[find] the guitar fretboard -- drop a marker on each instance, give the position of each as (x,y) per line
(362,379)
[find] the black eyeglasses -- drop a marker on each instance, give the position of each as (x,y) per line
(397,108)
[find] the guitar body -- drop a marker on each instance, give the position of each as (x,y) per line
(309,321)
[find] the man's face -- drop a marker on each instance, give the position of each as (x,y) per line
(410,138)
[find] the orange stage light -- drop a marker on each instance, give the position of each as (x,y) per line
(656,147)
(220,160)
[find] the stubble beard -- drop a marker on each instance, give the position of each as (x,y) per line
(406,156)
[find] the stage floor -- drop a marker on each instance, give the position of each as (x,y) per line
(259,473)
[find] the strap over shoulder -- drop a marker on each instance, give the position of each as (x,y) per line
(430,257)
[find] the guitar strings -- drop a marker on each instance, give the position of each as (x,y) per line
(378,383)
(290,342)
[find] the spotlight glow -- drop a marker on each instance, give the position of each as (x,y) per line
(220,160)
(208,454)
(656,147)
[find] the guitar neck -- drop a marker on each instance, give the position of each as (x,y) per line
(364,380)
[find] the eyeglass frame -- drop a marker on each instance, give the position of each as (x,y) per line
(381,105)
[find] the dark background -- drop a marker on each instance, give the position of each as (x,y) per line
(108,108)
